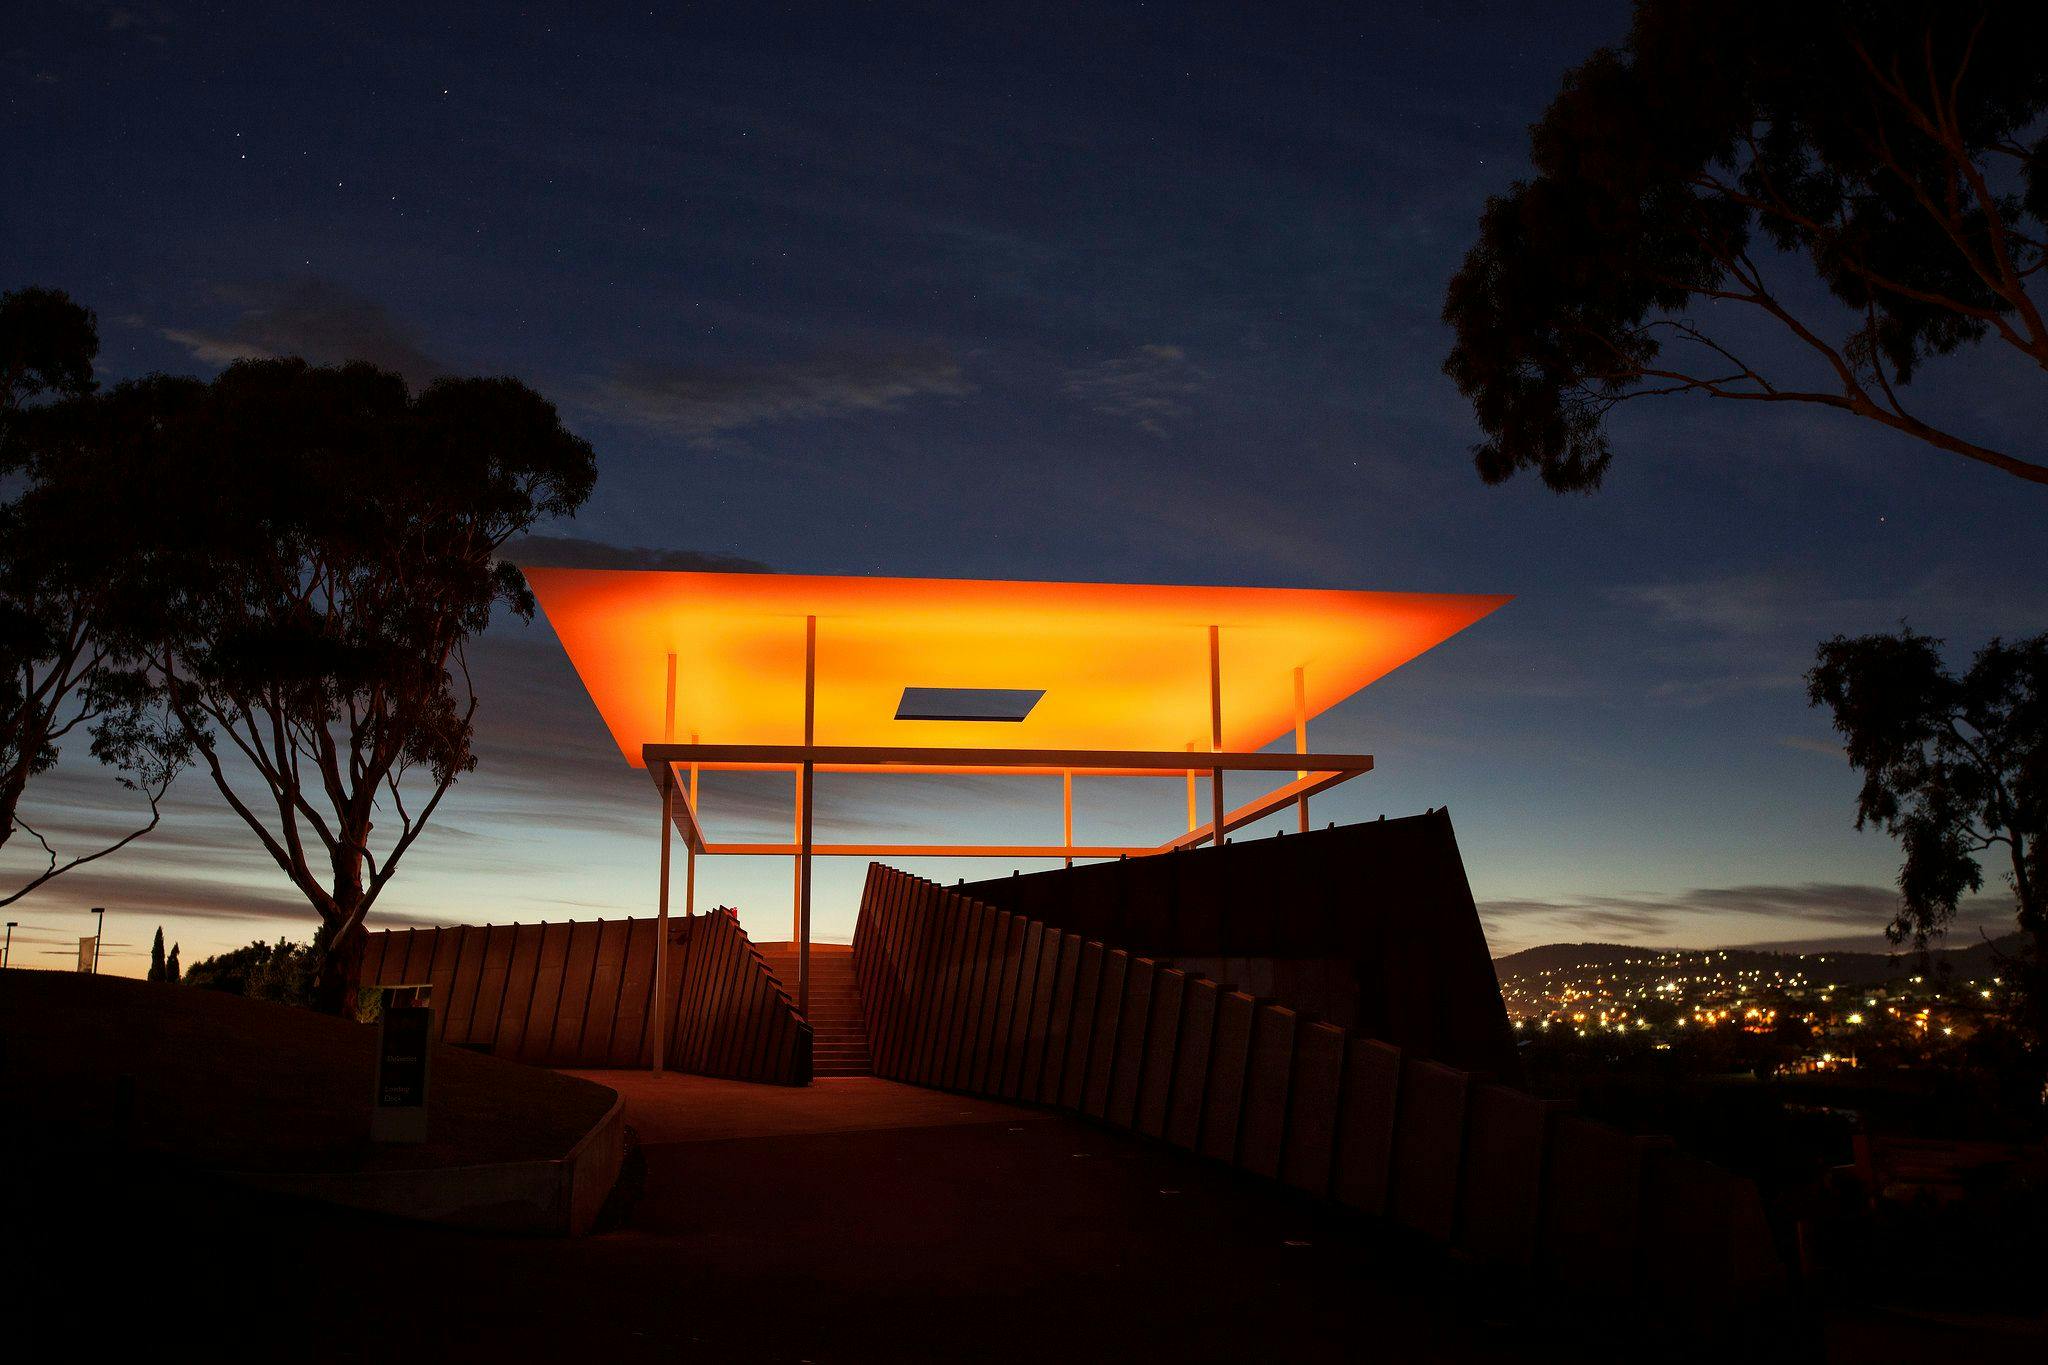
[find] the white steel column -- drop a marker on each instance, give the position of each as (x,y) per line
(668,816)
(1216,727)
(796,862)
(804,806)
(1067,793)
(690,854)
(1301,737)
(668,821)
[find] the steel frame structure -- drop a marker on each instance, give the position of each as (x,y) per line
(668,762)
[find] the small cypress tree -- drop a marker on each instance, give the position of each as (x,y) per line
(171,972)
(156,956)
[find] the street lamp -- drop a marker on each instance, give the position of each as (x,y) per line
(99,937)
(7,950)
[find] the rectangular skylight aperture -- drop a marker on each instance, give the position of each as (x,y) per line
(967,703)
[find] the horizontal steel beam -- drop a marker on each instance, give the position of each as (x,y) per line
(1161,762)
(941,850)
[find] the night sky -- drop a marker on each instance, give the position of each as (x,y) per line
(1127,293)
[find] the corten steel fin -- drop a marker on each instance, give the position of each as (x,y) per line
(1109,999)
(1229,1057)
(1133,1022)
(1162,1044)
(1312,1107)
(1060,1022)
(1269,1071)
(1081,1026)
(1029,950)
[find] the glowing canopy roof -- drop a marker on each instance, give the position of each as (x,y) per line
(1120,666)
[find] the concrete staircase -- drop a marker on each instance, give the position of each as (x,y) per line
(839,1032)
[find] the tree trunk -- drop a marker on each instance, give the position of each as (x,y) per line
(340,942)
(341,955)
(2033,923)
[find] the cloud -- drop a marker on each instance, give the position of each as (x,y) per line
(1729,635)
(1780,603)
(324,322)
(118,18)
(1147,388)
(702,403)
(1834,914)
(1824,902)
(568,552)
(1712,687)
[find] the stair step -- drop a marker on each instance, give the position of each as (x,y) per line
(839,1028)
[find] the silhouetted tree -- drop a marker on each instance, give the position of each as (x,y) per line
(282,971)
(1690,184)
(1953,768)
(68,534)
(171,972)
(156,956)
(327,548)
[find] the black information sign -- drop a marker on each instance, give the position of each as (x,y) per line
(405,1032)
(402,1061)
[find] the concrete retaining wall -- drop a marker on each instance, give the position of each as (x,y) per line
(560,1197)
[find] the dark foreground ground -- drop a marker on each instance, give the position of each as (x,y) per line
(854,1221)
(1029,1240)
(1011,1241)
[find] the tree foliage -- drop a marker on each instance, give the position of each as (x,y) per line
(326,550)
(283,971)
(1954,767)
(69,570)
(1700,178)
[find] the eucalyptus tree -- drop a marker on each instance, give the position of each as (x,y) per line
(327,549)
(1954,765)
(1764,203)
(69,538)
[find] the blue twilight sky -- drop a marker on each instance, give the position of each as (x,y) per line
(1102,291)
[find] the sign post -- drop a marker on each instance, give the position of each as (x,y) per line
(88,951)
(405,1031)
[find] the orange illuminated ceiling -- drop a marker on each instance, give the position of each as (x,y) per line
(1121,666)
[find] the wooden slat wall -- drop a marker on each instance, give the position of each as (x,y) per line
(584,994)
(961,996)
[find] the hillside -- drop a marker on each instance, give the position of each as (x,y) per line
(1974,960)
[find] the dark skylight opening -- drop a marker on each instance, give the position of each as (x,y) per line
(967,703)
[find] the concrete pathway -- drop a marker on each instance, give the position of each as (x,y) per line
(861,1219)
(673,1107)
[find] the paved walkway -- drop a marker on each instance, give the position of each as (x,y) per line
(673,1107)
(861,1219)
